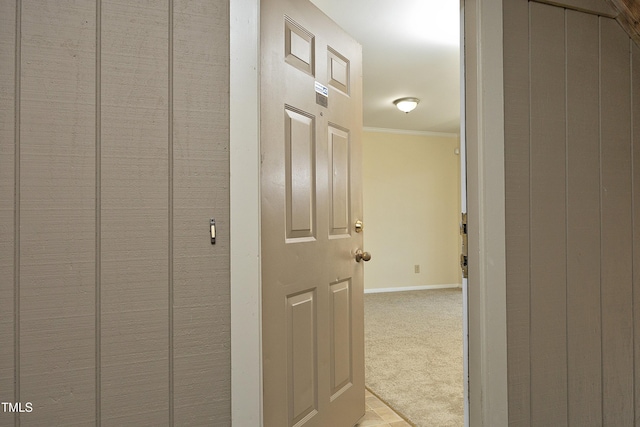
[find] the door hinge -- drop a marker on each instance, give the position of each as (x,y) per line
(464,256)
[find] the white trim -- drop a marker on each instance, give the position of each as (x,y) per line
(411,288)
(487,253)
(244,152)
(411,132)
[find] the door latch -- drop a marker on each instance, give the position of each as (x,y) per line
(212,225)
(464,256)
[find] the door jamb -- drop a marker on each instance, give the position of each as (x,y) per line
(485,185)
(244,187)
(464,210)
(484,126)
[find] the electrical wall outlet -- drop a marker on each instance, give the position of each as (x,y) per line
(416,268)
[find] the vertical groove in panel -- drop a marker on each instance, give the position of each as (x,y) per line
(633,225)
(635,140)
(98,206)
(530,188)
(170,213)
(548,217)
(8,220)
(583,219)
(600,202)
(516,124)
(617,243)
(566,203)
(16,214)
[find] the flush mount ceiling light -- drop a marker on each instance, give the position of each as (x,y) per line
(406,104)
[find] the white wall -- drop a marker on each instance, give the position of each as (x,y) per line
(411,209)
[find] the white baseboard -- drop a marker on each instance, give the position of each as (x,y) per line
(411,288)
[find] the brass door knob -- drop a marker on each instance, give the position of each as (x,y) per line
(362,256)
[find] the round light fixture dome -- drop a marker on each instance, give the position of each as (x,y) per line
(406,104)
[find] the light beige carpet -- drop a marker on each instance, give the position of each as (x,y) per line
(413,354)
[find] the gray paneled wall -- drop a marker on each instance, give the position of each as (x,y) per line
(114,305)
(572,111)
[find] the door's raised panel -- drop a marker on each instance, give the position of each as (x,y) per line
(300,170)
(299,46)
(338,70)
(302,390)
(339,181)
(340,329)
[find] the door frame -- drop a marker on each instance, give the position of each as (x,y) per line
(484,134)
(484,131)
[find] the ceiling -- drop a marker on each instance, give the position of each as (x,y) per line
(410,48)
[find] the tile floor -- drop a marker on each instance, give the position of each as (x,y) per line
(379,414)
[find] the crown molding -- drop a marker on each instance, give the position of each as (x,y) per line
(411,132)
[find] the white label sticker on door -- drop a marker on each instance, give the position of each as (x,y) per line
(322,95)
(322,89)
